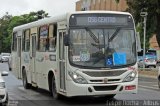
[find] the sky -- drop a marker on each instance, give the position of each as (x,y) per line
(53,7)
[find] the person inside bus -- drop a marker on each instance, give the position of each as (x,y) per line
(43,44)
(47,44)
(52,44)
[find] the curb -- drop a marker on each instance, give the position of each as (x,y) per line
(147,76)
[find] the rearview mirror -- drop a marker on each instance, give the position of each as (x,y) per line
(4,73)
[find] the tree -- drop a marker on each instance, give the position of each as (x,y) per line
(8,22)
(41,14)
(4,22)
(117,1)
(153,18)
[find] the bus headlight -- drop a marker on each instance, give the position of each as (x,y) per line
(77,78)
(130,77)
(2,85)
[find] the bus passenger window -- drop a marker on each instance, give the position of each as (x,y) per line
(52,38)
(27,40)
(14,42)
(43,39)
(43,44)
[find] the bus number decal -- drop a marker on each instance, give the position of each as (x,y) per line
(76,58)
(84,56)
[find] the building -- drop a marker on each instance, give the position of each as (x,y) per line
(101,5)
(153,43)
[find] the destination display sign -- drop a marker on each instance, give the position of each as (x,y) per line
(86,20)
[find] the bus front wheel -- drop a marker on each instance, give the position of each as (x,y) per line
(24,79)
(54,89)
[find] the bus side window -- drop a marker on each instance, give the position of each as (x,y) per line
(52,37)
(26,40)
(43,39)
(23,41)
(14,41)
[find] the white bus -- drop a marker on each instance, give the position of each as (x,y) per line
(88,53)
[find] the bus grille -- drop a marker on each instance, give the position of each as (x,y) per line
(105,88)
(104,73)
(109,80)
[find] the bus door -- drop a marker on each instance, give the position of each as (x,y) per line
(33,54)
(62,60)
(18,59)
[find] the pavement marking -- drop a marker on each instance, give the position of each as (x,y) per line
(155,85)
(155,88)
(146,82)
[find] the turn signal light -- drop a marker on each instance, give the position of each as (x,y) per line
(130,87)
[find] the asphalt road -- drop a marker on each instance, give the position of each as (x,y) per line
(18,96)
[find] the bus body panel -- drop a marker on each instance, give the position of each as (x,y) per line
(14,62)
(16,56)
(25,59)
(32,54)
(74,89)
(61,58)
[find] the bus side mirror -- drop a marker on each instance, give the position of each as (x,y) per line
(138,42)
(66,40)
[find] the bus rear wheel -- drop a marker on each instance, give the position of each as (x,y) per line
(54,89)
(24,79)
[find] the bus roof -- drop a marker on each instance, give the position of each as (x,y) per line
(62,18)
(109,12)
(40,22)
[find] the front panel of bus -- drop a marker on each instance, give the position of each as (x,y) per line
(102,54)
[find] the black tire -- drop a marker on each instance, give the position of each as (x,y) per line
(54,89)
(26,85)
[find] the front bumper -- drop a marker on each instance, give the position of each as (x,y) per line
(74,89)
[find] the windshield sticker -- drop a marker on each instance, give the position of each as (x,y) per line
(119,58)
(84,55)
(76,58)
(109,61)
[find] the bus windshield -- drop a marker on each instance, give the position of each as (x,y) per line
(102,47)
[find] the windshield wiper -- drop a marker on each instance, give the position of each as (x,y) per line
(92,35)
(114,34)
(108,51)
